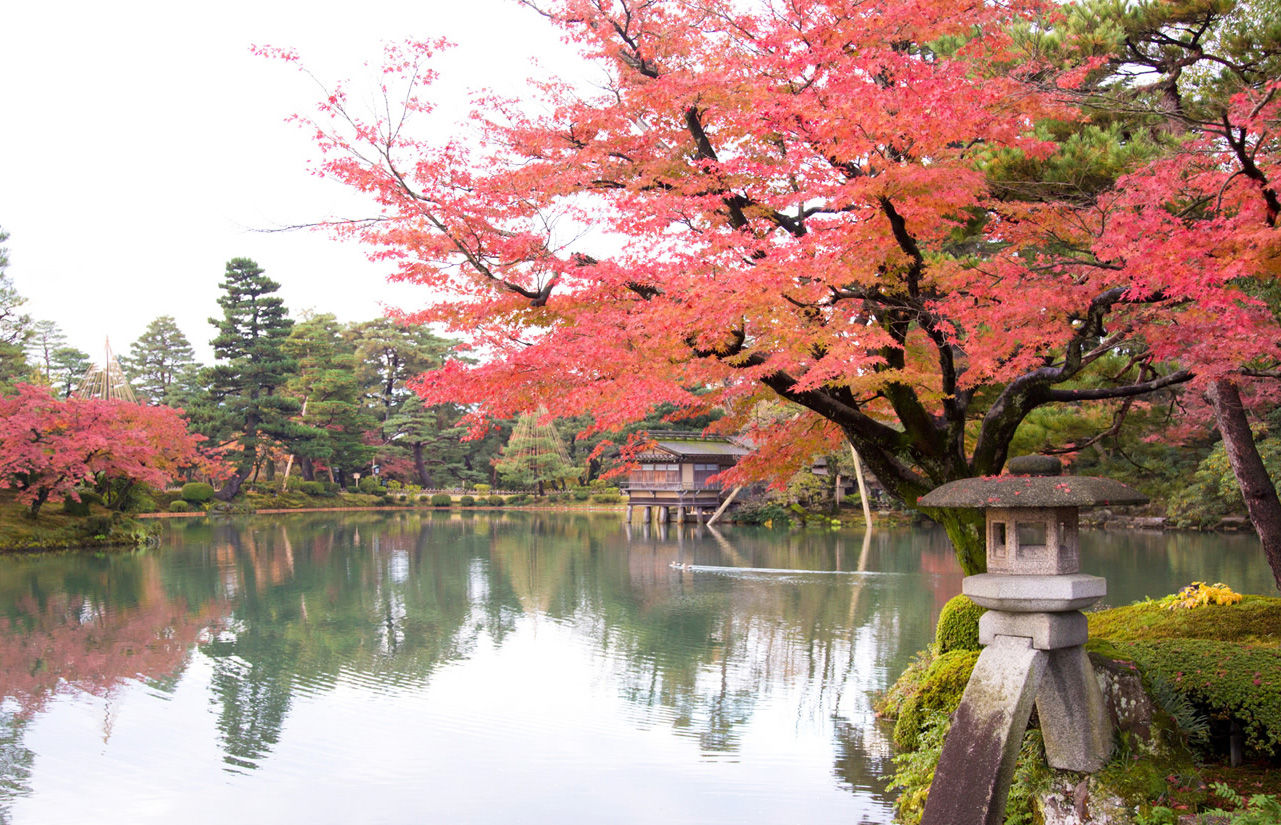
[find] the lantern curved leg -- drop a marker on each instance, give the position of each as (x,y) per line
(977,763)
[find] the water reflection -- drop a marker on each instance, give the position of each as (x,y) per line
(306,664)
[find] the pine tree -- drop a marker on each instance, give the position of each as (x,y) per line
(332,421)
(535,456)
(44,340)
(15,326)
(243,404)
(161,364)
(68,366)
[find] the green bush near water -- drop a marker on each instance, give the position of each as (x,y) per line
(75,508)
(466,501)
(179,506)
(311,488)
(442,500)
(197,492)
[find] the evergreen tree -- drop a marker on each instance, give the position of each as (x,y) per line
(243,404)
(67,367)
(388,355)
(44,340)
(535,456)
(161,364)
(15,326)
(332,421)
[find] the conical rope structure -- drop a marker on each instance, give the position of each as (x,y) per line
(106,381)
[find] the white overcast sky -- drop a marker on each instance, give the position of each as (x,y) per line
(141,144)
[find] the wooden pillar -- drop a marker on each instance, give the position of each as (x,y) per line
(680,514)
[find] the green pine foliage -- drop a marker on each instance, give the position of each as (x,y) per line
(535,456)
(15,325)
(245,404)
(161,364)
(332,420)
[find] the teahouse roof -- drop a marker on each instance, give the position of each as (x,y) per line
(693,445)
(1031,491)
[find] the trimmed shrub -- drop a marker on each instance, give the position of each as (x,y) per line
(466,501)
(495,501)
(179,506)
(442,500)
(958,627)
(482,489)
(581,494)
(197,492)
(311,488)
(519,498)
(607,497)
(369,484)
(75,508)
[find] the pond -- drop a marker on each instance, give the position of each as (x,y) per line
(410,667)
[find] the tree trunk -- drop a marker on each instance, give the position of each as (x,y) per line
(229,490)
(420,465)
(1256,487)
(307,467)
(966,530)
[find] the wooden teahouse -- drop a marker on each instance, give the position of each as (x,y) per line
(672,476)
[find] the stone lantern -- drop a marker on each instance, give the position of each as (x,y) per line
(1034,636)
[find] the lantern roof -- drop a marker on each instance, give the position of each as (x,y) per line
(1011,491)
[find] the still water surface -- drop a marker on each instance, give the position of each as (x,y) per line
(485,668)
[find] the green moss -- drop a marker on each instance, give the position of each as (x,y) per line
(1225,681)
(940,690)
(958,627)
(1224,661)
(1253,620)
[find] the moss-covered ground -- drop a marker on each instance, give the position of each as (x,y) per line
(54,529)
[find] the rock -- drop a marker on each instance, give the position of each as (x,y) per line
(1128,703)
(1083,803)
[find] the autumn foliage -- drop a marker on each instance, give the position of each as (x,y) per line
(50,447)
(908,220)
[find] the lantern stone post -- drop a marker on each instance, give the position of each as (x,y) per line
(1034,635)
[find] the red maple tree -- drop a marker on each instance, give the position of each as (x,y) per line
(814,200)
(49,447)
